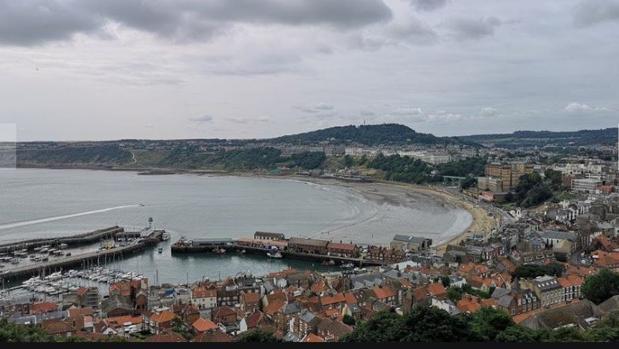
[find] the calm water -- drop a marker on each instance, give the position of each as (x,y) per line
(42,203)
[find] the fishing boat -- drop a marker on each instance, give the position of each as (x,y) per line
(276,255)
(219,250)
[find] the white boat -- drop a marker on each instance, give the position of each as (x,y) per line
(276,255)
(165,237)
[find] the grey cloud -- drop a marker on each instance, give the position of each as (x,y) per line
(202,119)
(488,111)
(576,107)
(428,5)
(33,22)
(414,31)
(244,121)
(315,109)
(468,28)
(38,21)
(592,12)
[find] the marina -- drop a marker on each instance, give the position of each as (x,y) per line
(48,256)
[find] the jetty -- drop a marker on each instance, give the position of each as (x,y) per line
(72,240)
(142,242)
(275,244)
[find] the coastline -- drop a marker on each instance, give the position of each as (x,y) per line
(380,191)
(481,222)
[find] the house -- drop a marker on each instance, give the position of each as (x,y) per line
(312,246)
(558,239)
(410,243)
(224,315)
(437,290)
(161,321)
(216,336)
(43,307)
(312,338)
(58,328)
(123,324)
(446,305)
(546,288)
(343,250)
(571,285)
(602,259)
(332,301)
(332,330)
(471,304)
(386,295)
(303,323)
(516,302)
(204,325)
(204,298)
(117,305)
(166,337)
(251,321)
(250,301)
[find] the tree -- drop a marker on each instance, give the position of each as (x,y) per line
(348,161)
(528,271)
(555,179)
(258,336)
(601,286)
(488,323)
(384,326)
(430,324)
(468,182)
(348,320)
(10,332)
(517,334)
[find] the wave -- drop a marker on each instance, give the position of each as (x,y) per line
(57,218)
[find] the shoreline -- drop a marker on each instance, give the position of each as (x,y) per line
(396,194)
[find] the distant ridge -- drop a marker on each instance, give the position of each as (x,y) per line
(380,134)
(607,136)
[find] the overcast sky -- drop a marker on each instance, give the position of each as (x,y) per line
(111,69)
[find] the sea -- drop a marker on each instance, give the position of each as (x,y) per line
(45,203)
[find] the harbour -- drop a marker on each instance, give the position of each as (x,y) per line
(45,256)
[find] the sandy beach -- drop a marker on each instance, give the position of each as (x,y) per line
(410,195)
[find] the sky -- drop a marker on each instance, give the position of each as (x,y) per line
(166,69)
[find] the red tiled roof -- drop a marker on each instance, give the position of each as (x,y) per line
(250,297)
(75,312)
(117,321)
(437,289)
(383,292)
(203,292)
(164,316)
(341,246)
(570,280)
(213,337)
(350,298)
(313,338)
(43,307)
(274,307)
(169,337)
(203,325)
(337,298)
(253,319)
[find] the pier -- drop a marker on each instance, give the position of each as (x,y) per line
(281,246)
(83,259)
(73,240)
